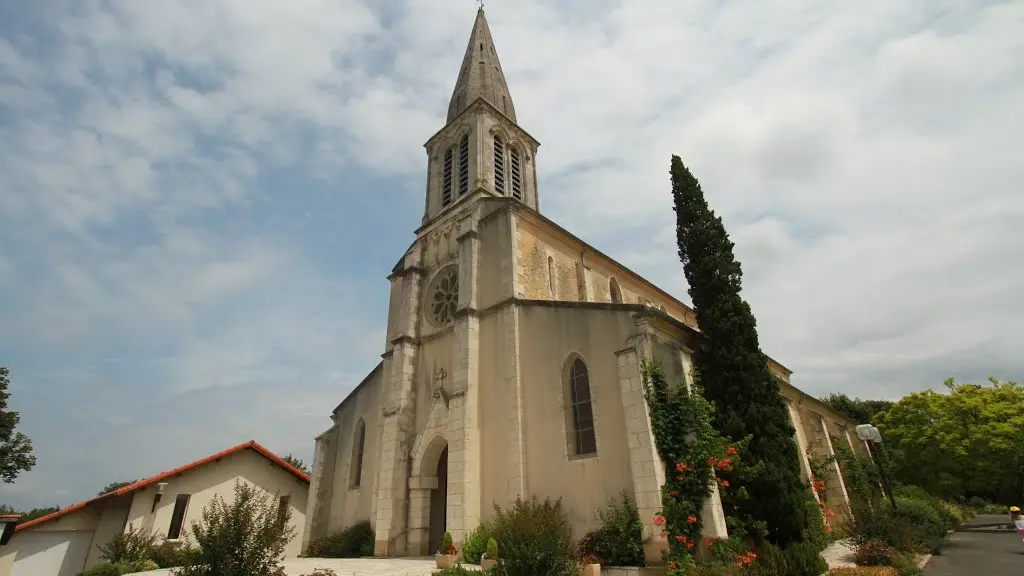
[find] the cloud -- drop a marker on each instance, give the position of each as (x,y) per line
(201,200)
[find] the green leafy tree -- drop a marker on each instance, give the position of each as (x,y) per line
(296,462)
(967,442)
(244,538)
(860,411)
(31,514)
(15,448)
(733,371)
(115,485)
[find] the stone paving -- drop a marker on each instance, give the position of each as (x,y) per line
(348,566)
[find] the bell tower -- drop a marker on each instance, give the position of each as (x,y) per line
(481,149)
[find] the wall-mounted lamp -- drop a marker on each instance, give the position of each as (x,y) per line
(160,487)
(9,522)
(871,436)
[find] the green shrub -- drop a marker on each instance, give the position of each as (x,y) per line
(128,547)
(492,549)
(475,544)
(771,561)
(534,538)
(875,553)
(927,525)
(815,532)
(448,545)
(906,565)
(119,569)
(352,542)
(804,559)
(620,540)
(142,566)
(456,570)
(244,538)
(171,554)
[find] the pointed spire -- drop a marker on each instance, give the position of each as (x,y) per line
(481,75)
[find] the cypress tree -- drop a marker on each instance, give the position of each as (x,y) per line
(732,369)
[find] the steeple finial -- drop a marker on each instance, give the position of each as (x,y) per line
(481,75)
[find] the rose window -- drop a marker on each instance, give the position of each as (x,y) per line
(444,296)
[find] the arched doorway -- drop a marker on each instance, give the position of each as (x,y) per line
(439,504)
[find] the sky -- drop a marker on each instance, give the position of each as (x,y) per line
(200,200)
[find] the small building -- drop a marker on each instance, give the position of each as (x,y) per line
(68,541)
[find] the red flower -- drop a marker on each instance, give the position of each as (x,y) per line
(725,483)
(680,467)
(692,519)
(731,450)
(663,534)
(673,493)
(689,545)
(671,565)
(679,478)
(659,520)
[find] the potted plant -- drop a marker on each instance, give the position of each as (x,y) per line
(590,566)
(490,557)
(445,557)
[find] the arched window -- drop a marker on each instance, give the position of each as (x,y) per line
(499,166)
(464,166)
(614,292)
(551,275)
(515,173)
(358,442)
(582,438)
(446,180)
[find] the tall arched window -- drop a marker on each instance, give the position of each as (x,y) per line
(582,438)
(464,166)
(614,292)
(446,180)
(515,173)
(551,275)
(358,443)
(499,166)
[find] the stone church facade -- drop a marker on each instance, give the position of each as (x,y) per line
(512,360)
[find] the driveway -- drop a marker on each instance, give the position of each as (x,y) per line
(979,554)
(349,566)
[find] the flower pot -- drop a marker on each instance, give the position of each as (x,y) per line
(444,560)
(590,570)
(486,564)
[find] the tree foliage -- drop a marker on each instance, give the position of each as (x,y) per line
(31,514)
(860,411)
(296,462)
(15,448)
(731,367)
(244,538)
(967,442)
(115,485)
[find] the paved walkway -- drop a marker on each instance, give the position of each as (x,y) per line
(979,554)
(349,567)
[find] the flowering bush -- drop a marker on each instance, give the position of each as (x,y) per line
(875,553)
(694,453)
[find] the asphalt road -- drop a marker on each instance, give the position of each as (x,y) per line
(979,554)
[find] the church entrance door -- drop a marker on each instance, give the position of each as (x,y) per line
(439,504)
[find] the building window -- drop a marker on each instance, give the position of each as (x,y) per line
(614,292)
(583,441)
(499,166)
(551,275)
(282,509)
(446,180)
(358,444)
(178,518)
(516,174)
(464,165)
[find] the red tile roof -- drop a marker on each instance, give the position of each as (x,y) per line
(164,475)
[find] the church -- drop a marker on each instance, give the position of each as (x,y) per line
(512,360)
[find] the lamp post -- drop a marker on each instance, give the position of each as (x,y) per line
(8,523)
(871,436)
